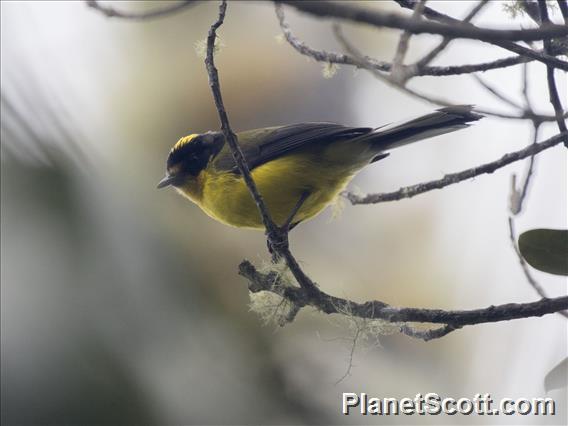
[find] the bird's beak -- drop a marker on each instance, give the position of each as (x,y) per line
(166,181)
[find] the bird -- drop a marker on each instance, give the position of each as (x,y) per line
(299,169)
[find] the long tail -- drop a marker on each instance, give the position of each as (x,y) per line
(444,120)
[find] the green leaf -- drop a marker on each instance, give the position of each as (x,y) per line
(557,378)
(546,250)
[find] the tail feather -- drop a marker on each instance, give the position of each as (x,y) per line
(443,120)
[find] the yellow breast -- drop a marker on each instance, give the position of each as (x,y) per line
(281,182)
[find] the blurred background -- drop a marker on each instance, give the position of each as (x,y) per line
(122,303)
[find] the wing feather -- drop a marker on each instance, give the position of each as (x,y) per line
(279,141)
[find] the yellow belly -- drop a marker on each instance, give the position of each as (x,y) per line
(225,197)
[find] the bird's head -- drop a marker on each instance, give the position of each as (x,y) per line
(189,156)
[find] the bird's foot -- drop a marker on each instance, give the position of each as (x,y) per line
(277,242)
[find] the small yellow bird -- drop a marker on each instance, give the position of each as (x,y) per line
(300,166)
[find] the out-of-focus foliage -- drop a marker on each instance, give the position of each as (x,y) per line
(546,250)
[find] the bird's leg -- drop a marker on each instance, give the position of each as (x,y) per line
(288,224)
(281,239)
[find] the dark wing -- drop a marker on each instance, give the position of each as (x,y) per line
(279,141)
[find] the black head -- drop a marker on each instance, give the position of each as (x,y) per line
(189,156)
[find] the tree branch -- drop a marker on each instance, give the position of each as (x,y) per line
(552,89)
(358,60)
(453,178)
(381,311)
(355,13)
(361,63)
(508,45)
(342,59)
(277,237)
(111,12)
(230,136)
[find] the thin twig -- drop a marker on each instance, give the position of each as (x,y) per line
(522,57)
(496,92)
(351,356)
(111,12)
(430,56)
(397,72)
(517,197)
(453,178)
(525,90)
(361,63)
